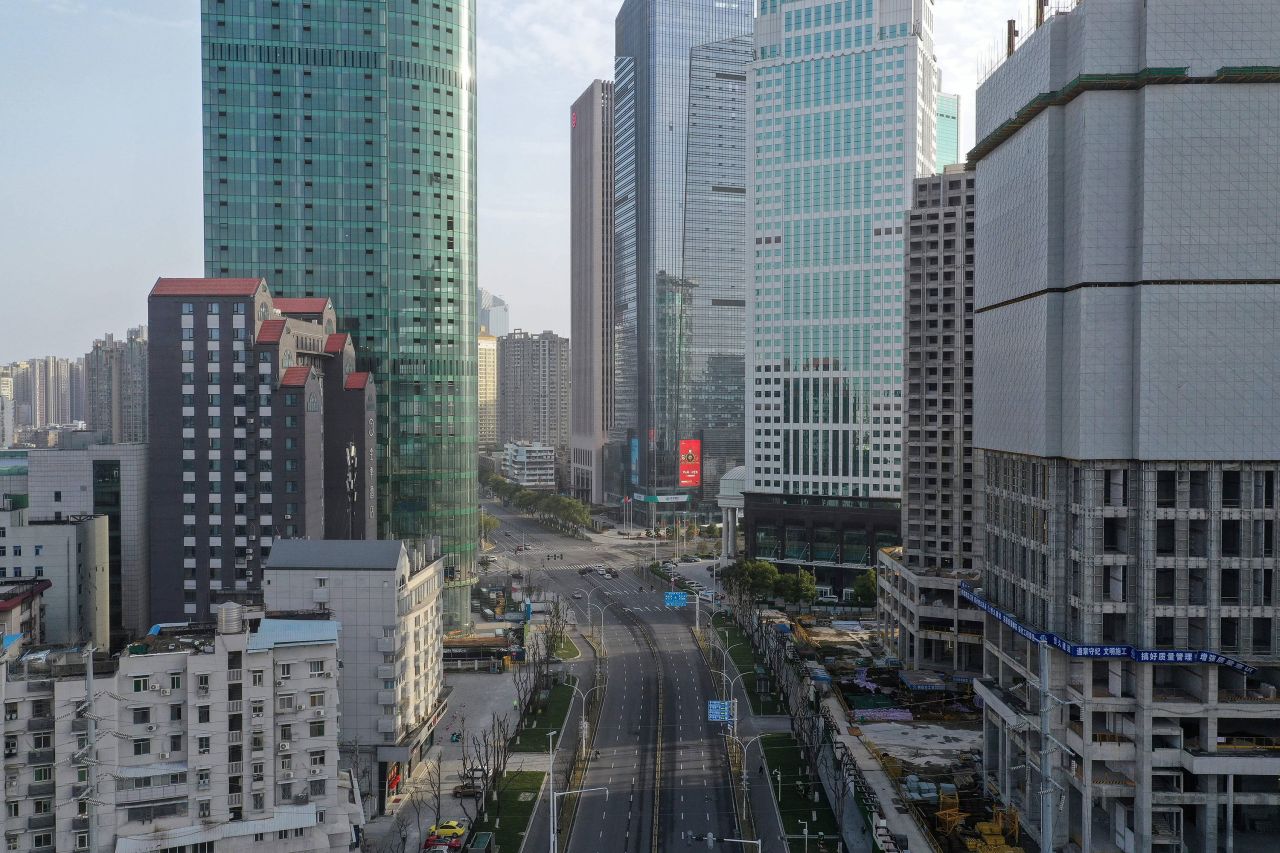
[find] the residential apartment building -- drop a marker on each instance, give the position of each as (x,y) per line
(73,556)
(197,737)
(922,614)
(108,480)
(487,390)
(843,113)
(1126,294)
(591,288)
(530,464)
(388,601)
(533,389)
(340,162)
(42,391)
(669,329)
(22,608)
(116,388)
(8,434)
(261,428)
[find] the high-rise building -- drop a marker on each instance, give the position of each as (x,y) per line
(42,387)
(387,600)
(108,480)
(530,464)
(591,287)
(197,737)
(78,405)
(493,315)
(925,619)
(1126,301)
(533,389)
(116,388)
(487,390)
(7,430)
(340,162)
(948,130)
(842,122)
(261,429)
(665,321)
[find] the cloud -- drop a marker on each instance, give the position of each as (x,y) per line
(524,36)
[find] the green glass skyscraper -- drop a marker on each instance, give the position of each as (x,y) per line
(339,161)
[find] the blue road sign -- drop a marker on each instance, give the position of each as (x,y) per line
(675,599)
(717,711)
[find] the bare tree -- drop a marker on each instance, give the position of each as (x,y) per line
(434,783)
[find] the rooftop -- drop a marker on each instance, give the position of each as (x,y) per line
(353,554)
(356,381)
(14,592)
(295,377)
(273,633)
(304,305)
(270,331)
(335,342)
(206,286)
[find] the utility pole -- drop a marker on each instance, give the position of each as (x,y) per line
(1046,754)
(91,750)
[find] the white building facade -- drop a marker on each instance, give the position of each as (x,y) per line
(388,603)
(842,122)
(1126,304)
(530,464)
(195,739)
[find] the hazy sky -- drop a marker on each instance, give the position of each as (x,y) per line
(100,170)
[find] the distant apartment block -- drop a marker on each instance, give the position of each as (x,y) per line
(530,464)
(487,390)
(388,601)
(116,387)
(260,429)
(533,388)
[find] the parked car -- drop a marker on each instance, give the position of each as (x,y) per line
(449,829)
(827,599)
(467,790)
(577,594)
(688,559)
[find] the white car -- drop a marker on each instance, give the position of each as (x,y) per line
(827,599)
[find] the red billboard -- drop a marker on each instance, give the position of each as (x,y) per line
(690,463)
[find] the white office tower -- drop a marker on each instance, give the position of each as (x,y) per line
(1127,301)
(841,124)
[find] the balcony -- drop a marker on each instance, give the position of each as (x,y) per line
(40,821)
(41,789)
(235,706)
(235,675)
(40,756)
(79,824)
(79,725)
(39,724)
(234,800)
(235,737)
(235,768)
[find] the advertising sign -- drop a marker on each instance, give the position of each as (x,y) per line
(690,463)
(635,461)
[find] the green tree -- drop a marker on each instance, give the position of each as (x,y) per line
(488,524)
(864,588)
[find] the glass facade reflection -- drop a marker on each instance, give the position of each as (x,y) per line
(662,309)
(339,160)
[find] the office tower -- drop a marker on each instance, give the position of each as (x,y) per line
(116,387)
(948,130)
(591,287)
(203,737)
(849,88)
(76,378)
(533,389)
(1126,301)
(926,620)
(340,162)
(493,315)
(387,600)
(664,319)
(71,553)
(261,429)
(487,391)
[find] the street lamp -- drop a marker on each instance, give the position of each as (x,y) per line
(806,834)
(551,780)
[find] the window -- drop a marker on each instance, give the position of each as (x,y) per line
(175,681)
(43,839)
(286,670)
(202,745)
(175,712)
(317,787)
(203,808)
(286,732)
(202,714)
(175,743)
(12,808)
(316,666)
(188,308)
(317,758)
(142,746)
(285,703)
(315,700)
(42,741)
(140,684)
(141,716)
(215,308)
(317,728)
(44,773)
(255,676)
(82,841)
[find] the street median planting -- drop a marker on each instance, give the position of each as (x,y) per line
(798,787)
(532,736)
(508,818)
(744,657)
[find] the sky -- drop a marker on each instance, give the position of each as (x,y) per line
(100,164)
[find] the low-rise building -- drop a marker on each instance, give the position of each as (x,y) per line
(388,601)
(199,737)
(530,464)
(22,608)
(72,554)
(924,621)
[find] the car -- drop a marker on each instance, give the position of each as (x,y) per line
(517,575)
(584,571)
(449,829)
(577,594)
(601,571)
(827,599)
(467,790)
(688,559)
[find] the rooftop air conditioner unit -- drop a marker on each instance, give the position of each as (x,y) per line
(320,712)
(288,774)
(154,687)
(164,756)
(284,746)
(151,728)
(279,682)
(316,771)
(165,691)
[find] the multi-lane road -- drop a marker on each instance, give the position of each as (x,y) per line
(661,761)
